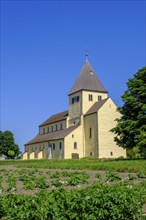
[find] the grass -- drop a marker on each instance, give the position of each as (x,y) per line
(83,164)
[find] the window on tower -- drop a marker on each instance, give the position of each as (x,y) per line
(75,99)
(90,97)
(99,97)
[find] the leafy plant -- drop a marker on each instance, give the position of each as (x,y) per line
(132,177)
(98,176)
(41,183)
(112,176)
(141,175)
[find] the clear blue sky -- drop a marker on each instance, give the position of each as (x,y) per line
(43,47)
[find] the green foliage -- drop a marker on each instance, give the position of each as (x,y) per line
(11,153)
(133,153)
(141,175)
(131,127)
(8,146)
(131,176)
(99,201)
(112,176)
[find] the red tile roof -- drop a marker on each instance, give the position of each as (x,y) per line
(54,118)
(96,106)
(52,135)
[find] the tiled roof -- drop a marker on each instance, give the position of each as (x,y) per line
(54,118)
(52,135)
(87,80)
(96,106)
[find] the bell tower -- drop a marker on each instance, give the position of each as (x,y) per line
(86,90)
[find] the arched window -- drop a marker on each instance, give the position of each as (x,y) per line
(75,145)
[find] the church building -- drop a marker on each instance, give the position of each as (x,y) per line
(84,129)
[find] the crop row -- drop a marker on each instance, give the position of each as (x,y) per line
(98,201)
(13,180)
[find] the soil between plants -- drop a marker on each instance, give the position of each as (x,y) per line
(92,174)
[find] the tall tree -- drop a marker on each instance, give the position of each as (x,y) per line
(7,145)
(131,127)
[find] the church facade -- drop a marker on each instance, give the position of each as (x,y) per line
(84,129)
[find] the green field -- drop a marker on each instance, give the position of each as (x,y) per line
(88,189)
(83,164)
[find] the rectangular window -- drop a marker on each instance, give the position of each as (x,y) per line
(90,97)
(78,98)
(54,146)
(43,130)
(99,97)
(61,126)
(48,129)
(75,145)
(56,127)
(60,145)
(90,132)
(52,128)
(73,100)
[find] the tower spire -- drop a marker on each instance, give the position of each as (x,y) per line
(86,56)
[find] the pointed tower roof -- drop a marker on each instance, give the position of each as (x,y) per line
(88,80)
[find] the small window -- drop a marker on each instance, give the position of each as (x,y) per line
(90,97)
(60,145)
(54,146)
(61,126)
(78,98)
(72,135)
(56,127)
(99,97)
(48,129)
(111,153)
(75,145)
(73,100)
(43,130)
(90,132)
(91,154)
(52,128)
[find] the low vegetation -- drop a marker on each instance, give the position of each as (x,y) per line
(83,164)
(28,192)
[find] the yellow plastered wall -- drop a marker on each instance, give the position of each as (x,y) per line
(25,156)
(86,104)
(106,121)
(74,136)
(40,155)
(91,135)
(32,156)
(36,148)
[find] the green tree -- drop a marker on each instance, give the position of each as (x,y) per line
(11,153)
(131,127)
(7,145)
